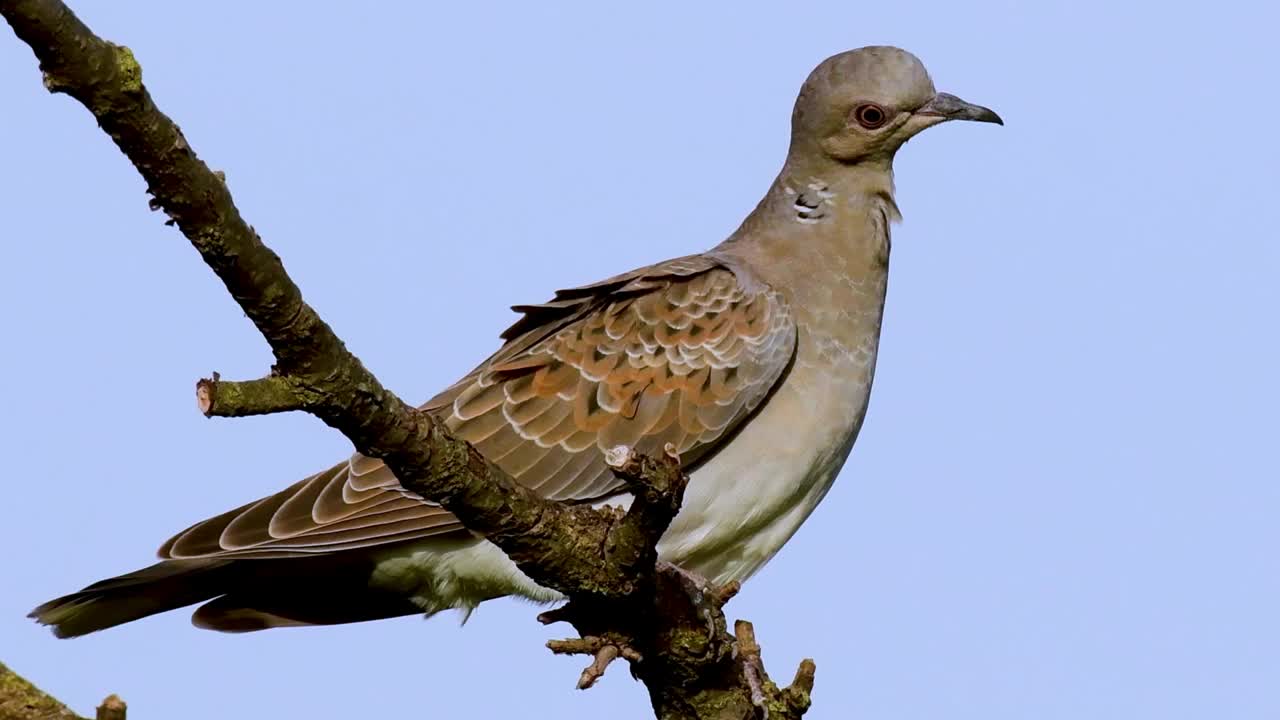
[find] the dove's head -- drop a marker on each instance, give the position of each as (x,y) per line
(862,105)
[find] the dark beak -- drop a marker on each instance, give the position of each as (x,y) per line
(949,106)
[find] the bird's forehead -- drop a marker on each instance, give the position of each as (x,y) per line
(887,74)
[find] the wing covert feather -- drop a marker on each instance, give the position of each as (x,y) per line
(680,353)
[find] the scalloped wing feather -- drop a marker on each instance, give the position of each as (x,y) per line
(681,352)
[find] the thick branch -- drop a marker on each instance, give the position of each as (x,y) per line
(20,700)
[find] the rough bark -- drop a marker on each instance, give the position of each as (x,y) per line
(20,700)
(668,625)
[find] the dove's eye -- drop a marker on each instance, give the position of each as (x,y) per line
(870,115)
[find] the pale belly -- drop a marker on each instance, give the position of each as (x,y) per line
(744,504)
(740,508)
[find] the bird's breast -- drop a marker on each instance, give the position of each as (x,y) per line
(745,502)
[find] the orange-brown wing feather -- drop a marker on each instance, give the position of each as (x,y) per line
(677,353)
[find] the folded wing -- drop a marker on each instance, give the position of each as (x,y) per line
(681,352)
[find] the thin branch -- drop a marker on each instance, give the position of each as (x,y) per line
(599,664)
(602,652)
(797,694)
(752,664)
(216,397)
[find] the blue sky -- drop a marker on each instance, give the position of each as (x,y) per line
(1063,503)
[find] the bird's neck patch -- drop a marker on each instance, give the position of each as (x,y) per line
(811,202)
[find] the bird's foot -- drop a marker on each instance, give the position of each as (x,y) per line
(603,651)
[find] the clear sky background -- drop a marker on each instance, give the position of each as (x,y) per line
(1064,502)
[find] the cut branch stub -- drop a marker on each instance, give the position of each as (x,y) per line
(656,481)
(216,397)
(112,708)
(657,486)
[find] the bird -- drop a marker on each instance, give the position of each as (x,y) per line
(753,361)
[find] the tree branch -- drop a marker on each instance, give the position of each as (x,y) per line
(264,396)
(313,364)
(20,700)
(668,625)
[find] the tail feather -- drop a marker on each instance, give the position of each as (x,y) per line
(309,605)
(244,595)
(164,586)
